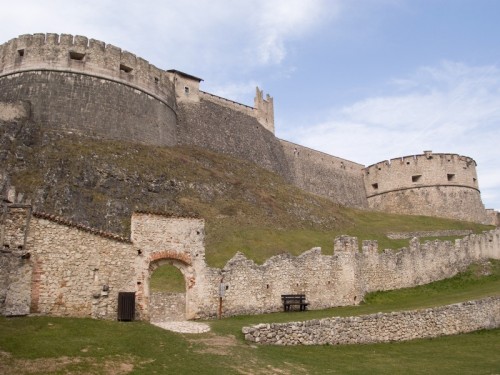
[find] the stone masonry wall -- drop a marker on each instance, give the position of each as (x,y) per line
(218,127)
(442,185)
(326,281)
(54,267)
(180,242)
(344,277)
(82,85)
(396,326)
(77,273)
(164,306)
(450,202)
(316,172)
(15,265)
(68,53)
(91,106)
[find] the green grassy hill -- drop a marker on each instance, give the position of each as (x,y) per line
(246,208)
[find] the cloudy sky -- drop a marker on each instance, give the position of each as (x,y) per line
(366,80)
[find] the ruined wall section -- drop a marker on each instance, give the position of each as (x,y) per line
(441,185)
(66,269)
(180,242)
(335,178)
(85,86)
(326,281)
(346,276)
(77,272)
(217,126)
(15,265)
(396,326)
(423,263)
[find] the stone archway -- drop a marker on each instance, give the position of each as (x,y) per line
(167,305)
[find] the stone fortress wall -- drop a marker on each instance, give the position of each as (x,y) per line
(83,85)
(55,267)
(338,179)
(428,184)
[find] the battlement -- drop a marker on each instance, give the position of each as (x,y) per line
(78,54)
(264,109)
(422,170)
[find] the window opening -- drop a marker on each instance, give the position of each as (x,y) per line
(451,177)
(20,52)
(125,68)
(76,56)
(416,178)
(375,186)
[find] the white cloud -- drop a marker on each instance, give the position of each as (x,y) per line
(180,34)
(451,107)
(239,92)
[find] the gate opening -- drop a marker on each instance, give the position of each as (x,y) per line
(167,288)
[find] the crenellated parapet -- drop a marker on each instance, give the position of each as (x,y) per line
(428,169)
(443,185)
(264,108)
(78,54)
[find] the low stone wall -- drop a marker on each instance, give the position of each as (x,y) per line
(430,233)
(164,306)
(396,326)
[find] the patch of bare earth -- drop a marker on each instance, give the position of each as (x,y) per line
(69,365)
(221,345)
(245,364)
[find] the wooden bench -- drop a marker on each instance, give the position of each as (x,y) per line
(290,300)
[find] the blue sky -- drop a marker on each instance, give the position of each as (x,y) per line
(366,80)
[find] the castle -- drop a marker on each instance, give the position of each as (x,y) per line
(50,265)
(74,84)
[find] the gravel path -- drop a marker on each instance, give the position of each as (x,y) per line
(184,326)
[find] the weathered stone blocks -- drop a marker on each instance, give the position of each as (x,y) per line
(396,326)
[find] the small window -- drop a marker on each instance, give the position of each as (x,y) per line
(474,180)
(157,80)
(375,186)
(76,56)
(125,68)
(416,178)
(451,177)
(186,90)
(20,52)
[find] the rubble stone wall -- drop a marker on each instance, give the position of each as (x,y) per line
(396,326)
(344,277)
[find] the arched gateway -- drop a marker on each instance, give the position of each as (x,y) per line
(162,240)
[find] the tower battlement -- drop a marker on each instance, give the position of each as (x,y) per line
(414,171)
(68,53)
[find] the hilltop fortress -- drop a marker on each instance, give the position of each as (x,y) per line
(72,84)
(54,266)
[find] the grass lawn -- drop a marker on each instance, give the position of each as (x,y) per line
(46,345)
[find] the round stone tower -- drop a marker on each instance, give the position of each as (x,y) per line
(85,86)
(443,185)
